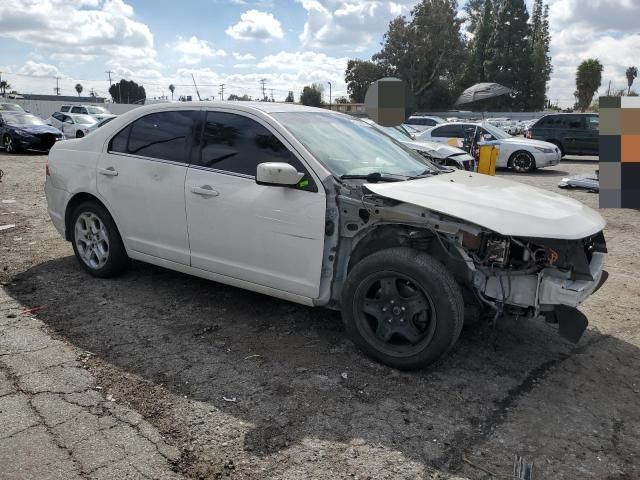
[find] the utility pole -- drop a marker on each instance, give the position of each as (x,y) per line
(329,95)
(57,89)
(109,72)
(263,81)
(222,91)
(272,99)
(196,86)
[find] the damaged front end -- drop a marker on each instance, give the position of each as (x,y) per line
(516,276)
(540,276)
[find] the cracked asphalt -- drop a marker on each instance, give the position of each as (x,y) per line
(161,375)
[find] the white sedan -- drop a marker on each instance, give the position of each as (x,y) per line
(520,154)
(318,208)
(73,126)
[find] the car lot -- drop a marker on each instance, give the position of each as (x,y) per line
(252,387)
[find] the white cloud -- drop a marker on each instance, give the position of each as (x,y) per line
(39,69)
(354,24)
(194,50)
(256,25)
(86,29)
(243,57)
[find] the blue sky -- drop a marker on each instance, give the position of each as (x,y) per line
(291,43)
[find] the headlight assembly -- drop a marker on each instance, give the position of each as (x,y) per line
(544,150)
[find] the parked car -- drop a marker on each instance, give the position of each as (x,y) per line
(317,207)
(99,113)
(520,154)
(442,155)
(10,107)
(420,122)
(24,131)
(73,126)
(572,133)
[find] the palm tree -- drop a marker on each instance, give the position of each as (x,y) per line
(632,73)
(4,85)
(79,88)
(171,89)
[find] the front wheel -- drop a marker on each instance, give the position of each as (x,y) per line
(8,144)
(96,241)
(402,307)
(523,162)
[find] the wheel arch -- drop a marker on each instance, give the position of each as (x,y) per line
(76,200)
(557,143)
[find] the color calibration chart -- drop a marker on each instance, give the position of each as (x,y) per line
(619,152)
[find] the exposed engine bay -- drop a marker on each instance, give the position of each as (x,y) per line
(516,276)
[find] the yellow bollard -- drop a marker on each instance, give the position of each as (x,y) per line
(488,158)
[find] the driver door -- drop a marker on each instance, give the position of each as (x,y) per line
(271,236)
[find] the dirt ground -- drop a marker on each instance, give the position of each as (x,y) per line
(250,387)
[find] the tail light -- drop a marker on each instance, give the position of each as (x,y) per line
(46,170)
(529,134)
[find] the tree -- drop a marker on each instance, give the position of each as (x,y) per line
(243,98)
(127,91)
(342,100)
(289,98)
(312,95)
(632,74)
(540,59)
(172,89)
(79,88)
(4,86)
(588,81)
(426,51)
(483,25)
(508,55)
(474,10)
(359,75)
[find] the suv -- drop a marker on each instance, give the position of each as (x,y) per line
(420,122)
(572,133)
(319,208)
(99,113)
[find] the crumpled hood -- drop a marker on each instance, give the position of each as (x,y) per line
(37,129)
(438,150)
(504,206)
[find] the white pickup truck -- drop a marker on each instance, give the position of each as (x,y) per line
(322,209)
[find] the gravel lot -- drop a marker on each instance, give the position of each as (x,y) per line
(249,387)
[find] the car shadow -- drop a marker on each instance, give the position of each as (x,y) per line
(288,371)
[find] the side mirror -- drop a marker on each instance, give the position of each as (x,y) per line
(277,174)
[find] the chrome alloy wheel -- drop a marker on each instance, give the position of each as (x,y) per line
(92,240)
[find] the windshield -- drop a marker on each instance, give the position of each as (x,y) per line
(395,132)
(498,133)
(84,119)
(21,119)
(348,146)
(97,110)
(11,107)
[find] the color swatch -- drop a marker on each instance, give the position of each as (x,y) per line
(619,152)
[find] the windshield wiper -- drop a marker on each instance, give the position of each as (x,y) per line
(425,174)
(374,177)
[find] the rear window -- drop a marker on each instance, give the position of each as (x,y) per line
(429,122)
(65,108)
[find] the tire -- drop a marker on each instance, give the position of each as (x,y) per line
(8,144)
(416,295)
(79,134)
(559,145)
(522,162)
(97,242)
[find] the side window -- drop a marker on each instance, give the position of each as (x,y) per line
(162,135)
(57,116)
(65,108)
(593,122)
(441,132)
(574,121)
(544,122)
(237,144)
(67,119)
(76,110)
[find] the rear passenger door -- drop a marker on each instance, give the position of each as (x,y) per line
(270,236)
(141,179)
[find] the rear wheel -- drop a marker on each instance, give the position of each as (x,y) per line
(96,241)
(522,162)
(402,307)
(79,134)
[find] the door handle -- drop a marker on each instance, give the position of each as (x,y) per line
(109,172)
(205,191)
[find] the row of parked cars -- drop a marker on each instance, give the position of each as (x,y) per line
(22,130)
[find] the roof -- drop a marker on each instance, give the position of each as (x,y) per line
(265,107)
